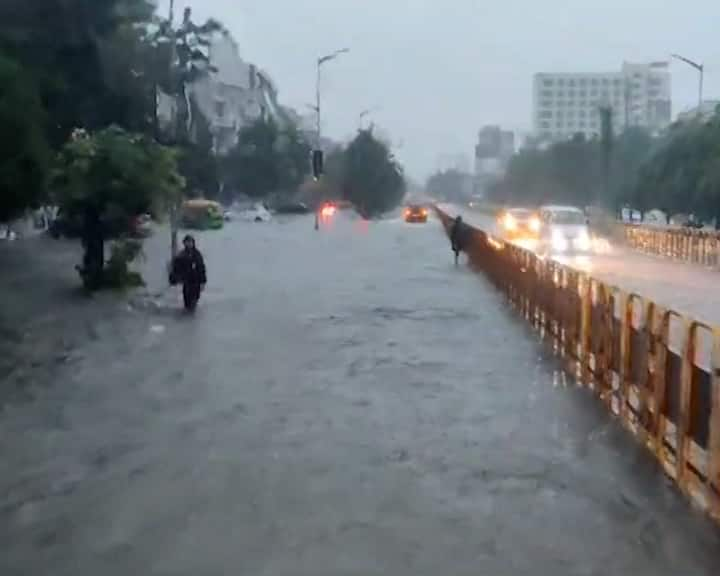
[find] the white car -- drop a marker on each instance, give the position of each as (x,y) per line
(257,213)
(564,230)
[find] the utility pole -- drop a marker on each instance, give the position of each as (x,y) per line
(174,208)
(320,62)
(606,142)
(701,71)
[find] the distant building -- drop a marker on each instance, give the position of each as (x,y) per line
(565,104)
(493,151)
(705,111)
(235,95)
(452,162)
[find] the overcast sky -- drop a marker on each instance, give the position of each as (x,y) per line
(440,69)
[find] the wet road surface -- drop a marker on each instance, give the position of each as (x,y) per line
(342,403)
(687,288)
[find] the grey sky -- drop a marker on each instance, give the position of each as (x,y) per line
(440,69)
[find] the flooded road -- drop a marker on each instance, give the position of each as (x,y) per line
(345,402)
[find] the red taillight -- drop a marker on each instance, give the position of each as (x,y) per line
(328,210)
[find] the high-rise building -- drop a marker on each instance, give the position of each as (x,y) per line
(565,104)
(493,151)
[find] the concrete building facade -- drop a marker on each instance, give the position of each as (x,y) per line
(565,104)
(493,151)
(235,95)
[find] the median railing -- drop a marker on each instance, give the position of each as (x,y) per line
(656,370)
(696,246)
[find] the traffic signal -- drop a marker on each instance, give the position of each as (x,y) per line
(317,164)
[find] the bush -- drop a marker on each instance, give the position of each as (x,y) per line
(117,274)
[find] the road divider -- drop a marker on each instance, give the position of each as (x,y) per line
(653,368)
(695,246)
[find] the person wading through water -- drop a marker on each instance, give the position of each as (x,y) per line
(188,269)
(457,237)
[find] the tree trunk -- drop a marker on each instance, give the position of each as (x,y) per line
(94,243)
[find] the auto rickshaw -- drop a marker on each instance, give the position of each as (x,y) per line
(201,214)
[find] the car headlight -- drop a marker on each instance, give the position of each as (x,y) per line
(535,224)
(509,222)
(559,242)
(583,241)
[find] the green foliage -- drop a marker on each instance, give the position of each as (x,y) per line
(198,163)
(572,172)
(117,274)
(683,172)
(61,43)
(678,172)
(109,177)
(114,170)
(267,160)
(180,58)
(24,154)
(373,180)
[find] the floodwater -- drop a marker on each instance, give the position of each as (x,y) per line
(343,402)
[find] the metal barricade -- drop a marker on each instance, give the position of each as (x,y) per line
(695,246)
(657,371)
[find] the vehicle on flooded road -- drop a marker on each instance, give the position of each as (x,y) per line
(564,230)
(519,224)
(416,214)
(201,214)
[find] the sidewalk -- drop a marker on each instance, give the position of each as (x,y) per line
(45,316)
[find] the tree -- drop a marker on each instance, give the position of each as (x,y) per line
(198,163)
(267,160)
(60,45)
(187,50)
(631,150)
(573,171)
(24,153)
(373,180)
(107,178)
(294,158)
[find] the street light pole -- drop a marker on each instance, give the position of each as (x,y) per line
(320,61)
(174,208)
(701,70)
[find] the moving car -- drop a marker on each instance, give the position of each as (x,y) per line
(416,214)
(564,229)
(520,224)
(292,208)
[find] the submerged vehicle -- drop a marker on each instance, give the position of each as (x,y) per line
(202,214)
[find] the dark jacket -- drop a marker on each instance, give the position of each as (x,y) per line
(458,236)
(188,268)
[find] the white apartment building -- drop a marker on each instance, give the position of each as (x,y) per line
(565,104)
(235,95)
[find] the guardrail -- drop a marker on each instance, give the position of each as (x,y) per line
(656,370)
(695,246)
